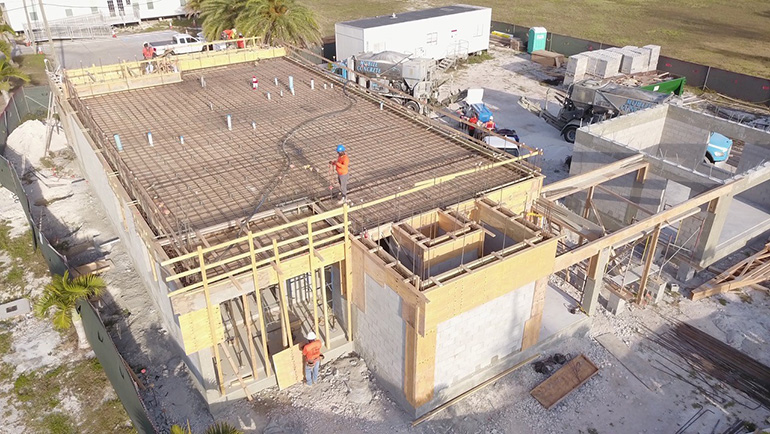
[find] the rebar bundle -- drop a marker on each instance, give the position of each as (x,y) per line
(717,359)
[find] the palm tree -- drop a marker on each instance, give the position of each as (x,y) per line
(8,72)
(62,295)
(192,8)
(5,41)
(218,15)
(217,428)
(279,21)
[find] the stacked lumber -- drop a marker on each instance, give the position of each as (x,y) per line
(752,270)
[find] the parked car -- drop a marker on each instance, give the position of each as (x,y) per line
(179,44)
(502,144)
(718,148)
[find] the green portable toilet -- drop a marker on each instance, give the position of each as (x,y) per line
(536,39)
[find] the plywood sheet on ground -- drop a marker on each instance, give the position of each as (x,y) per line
(197,332)
(568,378)
(288,367)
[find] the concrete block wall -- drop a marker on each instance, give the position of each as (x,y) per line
(683,143)
(481,337)
(134,244)
(380,335)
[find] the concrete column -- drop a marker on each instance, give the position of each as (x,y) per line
(637,188)
(714,222)
(595,280)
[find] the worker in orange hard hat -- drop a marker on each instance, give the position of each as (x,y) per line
(312,354)
(341,165)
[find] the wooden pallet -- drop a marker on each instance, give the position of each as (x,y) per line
(568,378)
(752,270)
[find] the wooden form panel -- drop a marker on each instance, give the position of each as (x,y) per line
(196,331)
(420,368)
(489,282)
(503,220)
(568,378)
(532,326)
(288,367)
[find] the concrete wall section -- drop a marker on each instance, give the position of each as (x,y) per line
(122,216)
(683,143)
(380,335)
(481,337)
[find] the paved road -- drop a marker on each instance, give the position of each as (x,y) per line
(87,52)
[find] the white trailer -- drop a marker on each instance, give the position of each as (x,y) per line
(438,33)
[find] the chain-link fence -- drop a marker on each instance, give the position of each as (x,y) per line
(26,103)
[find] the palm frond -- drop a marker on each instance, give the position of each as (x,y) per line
(222,428)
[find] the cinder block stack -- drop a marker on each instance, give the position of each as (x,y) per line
(654,55)
(576,68)
(603,64)
(633,61)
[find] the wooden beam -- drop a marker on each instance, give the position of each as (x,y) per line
(250,334)
(648,263)
(258,296)
(212,326)
(348,274)
(235,369)
(288,341)
(574,184)
(311,269)
(642,227)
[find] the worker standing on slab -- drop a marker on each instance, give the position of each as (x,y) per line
(148,52)
(341,165)
(312,353)
(490,124)
(474,120)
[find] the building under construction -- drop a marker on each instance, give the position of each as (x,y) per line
(437,271)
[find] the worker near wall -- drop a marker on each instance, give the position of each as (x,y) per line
(241,42)
(312,353)
(341,165)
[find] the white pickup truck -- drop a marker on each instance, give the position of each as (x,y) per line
(179,44)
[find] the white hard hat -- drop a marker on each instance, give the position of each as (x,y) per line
(311,336)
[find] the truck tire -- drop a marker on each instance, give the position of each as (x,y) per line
(569,133)
(413,106)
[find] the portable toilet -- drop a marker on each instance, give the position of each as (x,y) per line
(536,39)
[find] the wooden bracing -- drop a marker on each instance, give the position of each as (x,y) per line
(752,270)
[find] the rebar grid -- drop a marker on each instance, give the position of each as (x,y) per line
(219,175)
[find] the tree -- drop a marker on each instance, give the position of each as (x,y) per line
(7,73)
(62,295)
(218,15)
(279,21)
(217,428)
(5,41)
(192,8)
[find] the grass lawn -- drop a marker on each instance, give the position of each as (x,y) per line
(733,35)
(33,65)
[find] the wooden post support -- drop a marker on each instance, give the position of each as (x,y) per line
(648,263)
(589,198)
(325,302)
(212,326)
(249,334)
(310,258)
(348,257)
(258,296)
(284,299)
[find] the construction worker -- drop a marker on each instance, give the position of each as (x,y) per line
(474,120)
(148,52)
(241,43)
(312,353)
(341,165)
(490,124)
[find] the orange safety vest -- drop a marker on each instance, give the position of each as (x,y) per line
(312,351)
(147,52)
(342,164)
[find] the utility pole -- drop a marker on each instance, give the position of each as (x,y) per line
(48,32)
(31,35)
